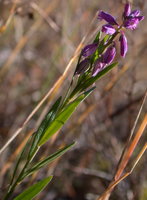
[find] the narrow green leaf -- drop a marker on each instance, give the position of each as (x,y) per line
(62,117)
(35,189)
(45,123)
(102,45)
(48,160)
(98,36)
(19,159)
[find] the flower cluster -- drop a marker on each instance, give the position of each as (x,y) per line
(130,20)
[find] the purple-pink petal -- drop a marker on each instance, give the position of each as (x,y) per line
(107,17)
(127,10)
(131,23)
(89,49)
(109,55)
(108,29)
(123,45)
(140,18)
(98,66)
(135,13)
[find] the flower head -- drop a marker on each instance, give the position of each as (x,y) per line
(107,17)
(108,29)
(131,19)
(123,45)
(89,49)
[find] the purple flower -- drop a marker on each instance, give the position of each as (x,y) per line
(83,66)
(123,45)
(127,10)
(109,55)
(89,49)
(131,23)
(108,29)
(131,19)
(107,17)
(98,66)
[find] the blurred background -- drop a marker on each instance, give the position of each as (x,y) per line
(35,49)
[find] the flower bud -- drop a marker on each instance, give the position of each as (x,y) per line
(108,29)
(123,45)
(89,49)
(98,66)
(127,10)
(107,17)
(82,67)
(109,55)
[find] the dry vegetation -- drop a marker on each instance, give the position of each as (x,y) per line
(37,41)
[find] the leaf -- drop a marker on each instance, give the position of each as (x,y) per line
(48,160)
(98,36)
(45,123)
(63,117)
(102,45)
(35,189)
(19,160)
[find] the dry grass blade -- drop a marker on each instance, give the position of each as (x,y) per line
(130,149)
(51,23)
(127,153)
(106,194)
(24,40)
(12,12)
(15,154)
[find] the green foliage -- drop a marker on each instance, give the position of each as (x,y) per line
(63,117)
(45,123)
(35,189)
(48,160)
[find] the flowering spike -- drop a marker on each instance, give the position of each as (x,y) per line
(108,29)
(107,17)
(83,66)
(89,49)
(127,10)
(109,55)
(123,45)
(98,66)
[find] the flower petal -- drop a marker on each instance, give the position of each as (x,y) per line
(140,18)
(108,29)
(131,23)
(123,45)
(135,13)
(127,10)
(107,17)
